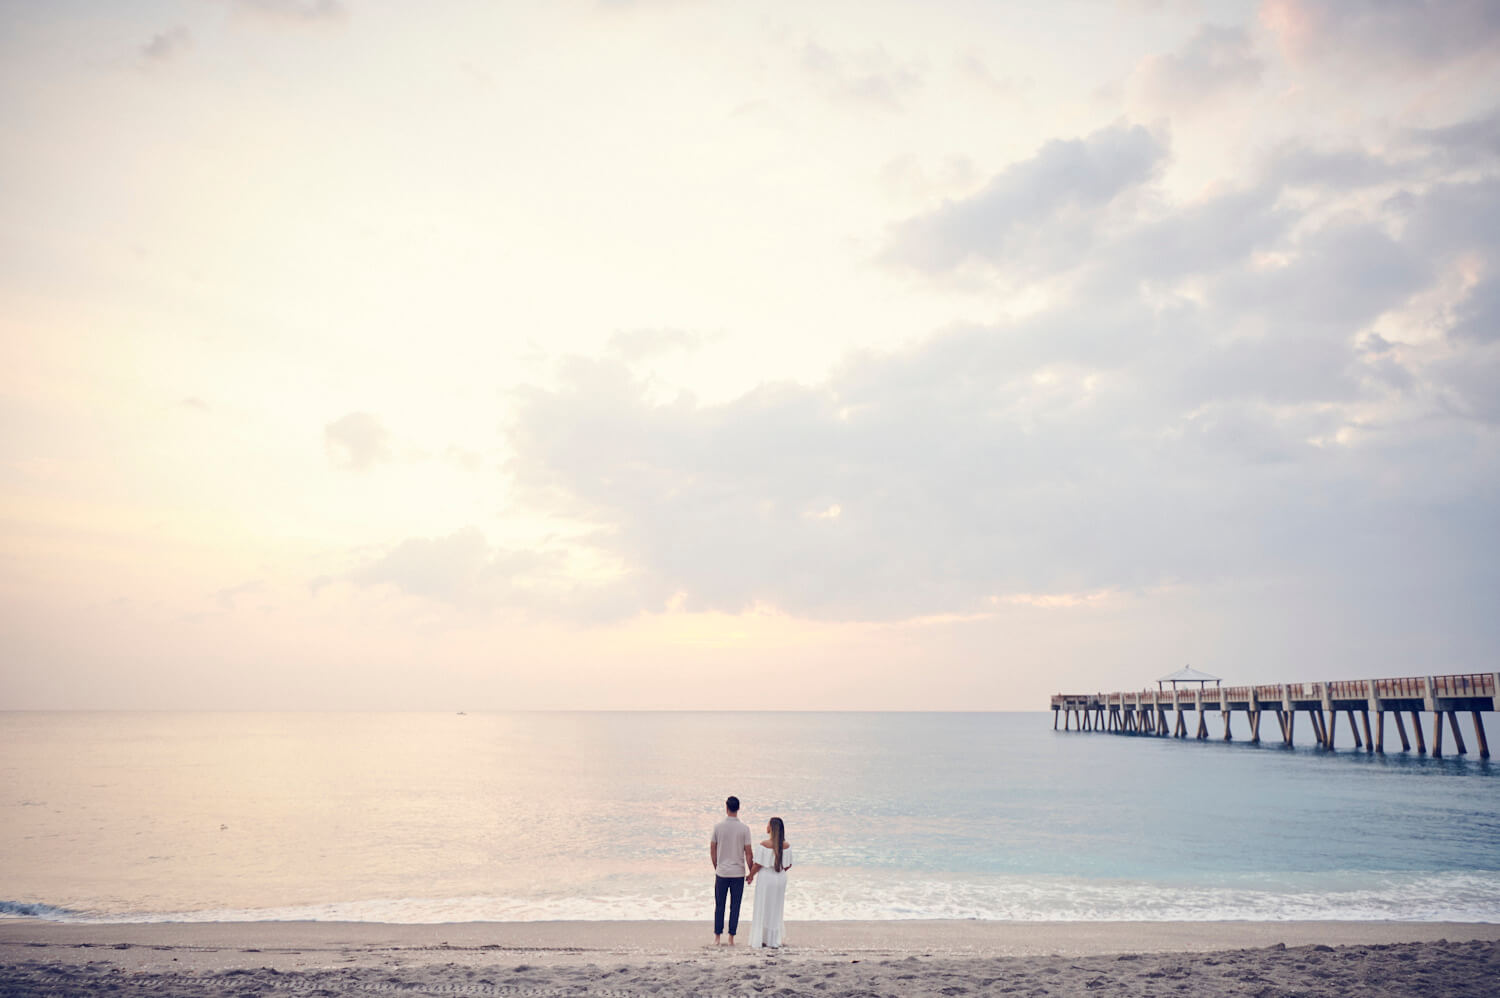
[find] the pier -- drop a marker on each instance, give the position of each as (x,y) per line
(1163,713)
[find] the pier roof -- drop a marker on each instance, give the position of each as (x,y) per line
(1187,674)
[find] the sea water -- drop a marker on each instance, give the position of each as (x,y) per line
(408,817)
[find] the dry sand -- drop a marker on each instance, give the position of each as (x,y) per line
(829,959)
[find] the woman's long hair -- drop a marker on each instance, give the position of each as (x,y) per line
(778,839)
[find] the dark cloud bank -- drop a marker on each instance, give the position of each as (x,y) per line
(1206,404)
(1124,438)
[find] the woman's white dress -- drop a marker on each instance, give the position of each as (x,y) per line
(770,896)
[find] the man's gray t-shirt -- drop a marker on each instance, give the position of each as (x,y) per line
(733,836)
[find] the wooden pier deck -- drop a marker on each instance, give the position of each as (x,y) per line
(1163,713)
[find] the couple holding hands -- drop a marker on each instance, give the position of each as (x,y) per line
(738,862)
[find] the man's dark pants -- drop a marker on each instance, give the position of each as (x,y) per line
(735,888)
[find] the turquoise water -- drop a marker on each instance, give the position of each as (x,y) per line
(439,817)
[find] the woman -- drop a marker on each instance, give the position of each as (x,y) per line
(769,862)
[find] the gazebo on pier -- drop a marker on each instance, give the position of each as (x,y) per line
(1187,675)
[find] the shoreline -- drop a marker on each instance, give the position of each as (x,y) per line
(298,945)
(826,959)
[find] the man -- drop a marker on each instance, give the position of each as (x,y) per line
(729,850)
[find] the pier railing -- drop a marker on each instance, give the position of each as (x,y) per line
(1399,688)
(1471,685)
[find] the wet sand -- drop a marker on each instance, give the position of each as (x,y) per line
(830,959)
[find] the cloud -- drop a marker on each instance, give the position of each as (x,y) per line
(615,6)
(1344,274)
(167,45)
(1476,140)
(907,177)
(1201,237)
(973,68)
(871,78)
(1037,213)
(464,570)
(356,442)
(1471,380)
(1456,217)
(1408,33)
(634,345)
(1224,393)
(1478,316)
(463,458)
(1298,164)
(293,11)
(1213,61)
(444,568)
(226,597)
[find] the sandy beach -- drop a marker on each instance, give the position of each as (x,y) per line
(825,958)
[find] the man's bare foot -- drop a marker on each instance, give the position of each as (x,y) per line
(718,941)
(731,940)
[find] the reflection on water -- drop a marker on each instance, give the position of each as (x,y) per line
(595,814)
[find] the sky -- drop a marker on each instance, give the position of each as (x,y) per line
(661,354)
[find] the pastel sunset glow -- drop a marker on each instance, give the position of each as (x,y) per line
(373,355)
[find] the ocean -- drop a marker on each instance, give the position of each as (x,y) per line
(409,817)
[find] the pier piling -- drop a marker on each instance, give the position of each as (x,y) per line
(1458,736)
